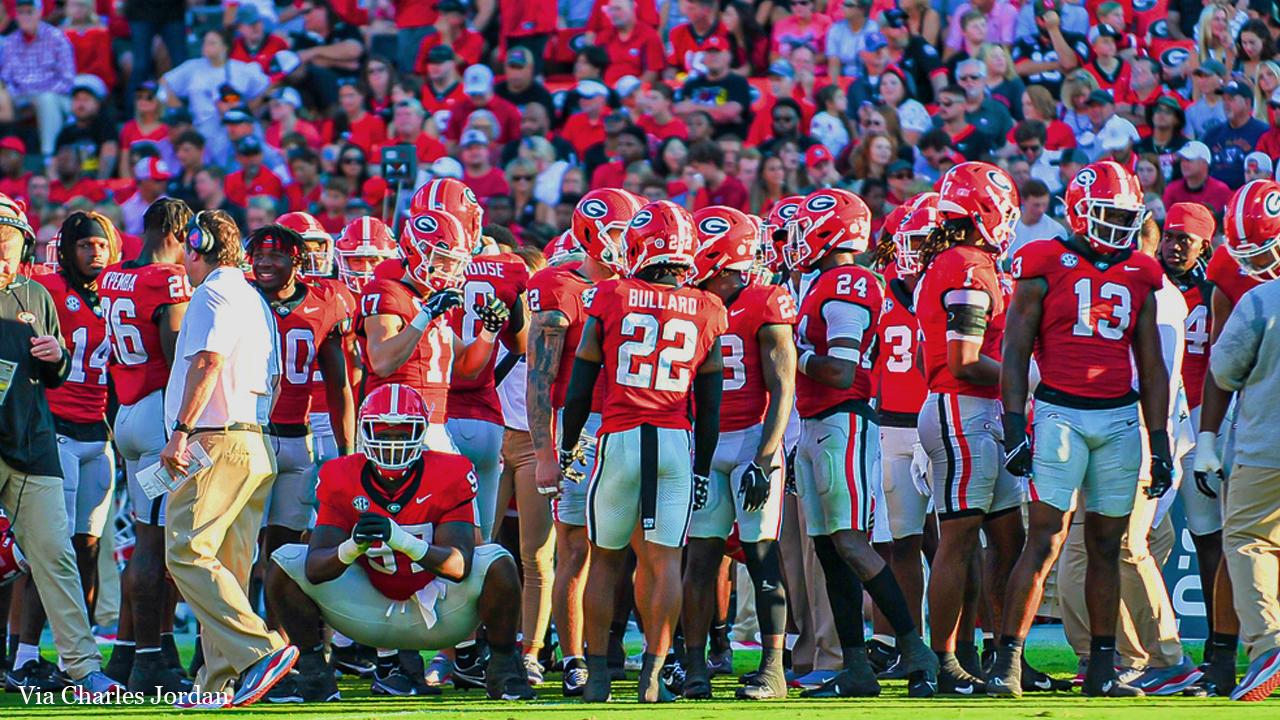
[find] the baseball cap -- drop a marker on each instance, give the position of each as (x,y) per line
(1118,134)
(1192,218)
(289,96)
(1211,67)
(897,166)
(477,80)
(151,169)
(817,155)
(1258,161)
(1101,97)
(235,116)
(247,14)
(150,86)
(91,84)
(176,116)
(592,89)
(874,41)
(519,57)
(895,18)
(1044,6)
(1071,155)
(1195,150)
(441,54)
(782,68)
(1237,88)
(627,84)
(1103,30)
(1171,103)
(445,6)
(715,43)
(229,93)
(473,137)
(248,145)
(13,143)
(39,6)
(446,167)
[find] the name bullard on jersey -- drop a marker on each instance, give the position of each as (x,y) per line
(641,299)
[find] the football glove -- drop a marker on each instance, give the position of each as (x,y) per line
(492,312)
(568,458)
(1017,446)
(442,301)
(789,474)
(701,491)
(371,528)
(1161,464)
(1207,466)
(920,470)
(754,488)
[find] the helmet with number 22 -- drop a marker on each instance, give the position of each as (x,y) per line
(662,233)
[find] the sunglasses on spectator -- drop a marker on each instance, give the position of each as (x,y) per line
(343,82)
(902,175)
(970,77)
(946,103)
(522,178)
(1031,148)
(353,159)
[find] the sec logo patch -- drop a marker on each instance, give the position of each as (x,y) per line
(73,303)
(360,503)
(1069,260)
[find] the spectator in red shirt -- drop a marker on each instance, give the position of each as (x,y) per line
(355,123)
(526,23)
(656,117)
(304,190)
(688,39)
(598,21)
(443,88)
(415,21)
(782,84)
(477,83)
(13,181)
(68,182)
(478,171)
(332,214)
(716,187)
(90,41)
(634,49)
(144,127)
(252,178)
(586,128)
(284,106)
(407,128)
(1196,185)
(252,42)
(451,31)
(629,147)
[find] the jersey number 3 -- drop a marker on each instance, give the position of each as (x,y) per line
(642,365)
(1111,295)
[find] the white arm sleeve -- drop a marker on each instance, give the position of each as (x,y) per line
(845,321)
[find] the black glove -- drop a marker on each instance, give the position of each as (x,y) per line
(371,528)
(701,491)
(492,312)
(789,474)
(1017,446)
(442,301)
(1161,464)
(754,488)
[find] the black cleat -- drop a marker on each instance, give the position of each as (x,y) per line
(673,675)
(412,666)
(1005,677)
(151,670)
(1101,680)
(574,679)
(956,681)
(470,676)
(848,683)
(351,660)
(970,661)
(652,687)
(881,655)
(921,666)
(506,677)
(120,665)
(391,680)
(35,675)
(697,682)
(1035,681)
(598,687)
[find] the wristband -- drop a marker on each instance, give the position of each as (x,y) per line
(421,321)
(1208,439)
(348,551)
(408,543)
(805,357)
(487,336)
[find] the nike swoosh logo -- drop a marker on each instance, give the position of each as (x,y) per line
(823,438)
(308,311)
(966,690)
(1130,269)
(1043,683)
(424,498)
(736,313)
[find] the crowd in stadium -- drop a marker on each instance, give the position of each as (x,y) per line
(372,327)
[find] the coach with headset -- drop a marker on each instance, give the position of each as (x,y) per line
(32,359)
(225,369)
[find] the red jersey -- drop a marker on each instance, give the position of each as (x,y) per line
(132,297)
(900,383)
(1227,275)
(674,127)
(440,490)
(505,276)
(963,267)
(82,397)
(271,44)
(654,338)
(746,399)
(1195,349)
(638,53)
(519,18)
(300,200)
(561,289)
(92,50)
(1087,317)
(847,284)
(346,307)
(430,367)
(240,188)
(686,44)
(303,325)
(132,133)
(60,194)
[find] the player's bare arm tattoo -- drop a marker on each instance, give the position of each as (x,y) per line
(545,346)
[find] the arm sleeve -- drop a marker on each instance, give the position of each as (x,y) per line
(845,320)
(1236,350)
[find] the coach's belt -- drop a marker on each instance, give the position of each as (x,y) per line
(230,427)
(288,430)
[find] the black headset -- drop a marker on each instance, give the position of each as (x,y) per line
(199,239)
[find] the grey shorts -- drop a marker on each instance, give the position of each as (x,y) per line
(88,479)
(614,492)
(481,443)
(1097,453)
(570,506)
(293,494)
(964,439)
(734,454)
(140,436)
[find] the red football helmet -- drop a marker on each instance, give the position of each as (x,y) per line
(661,233)
(828,220)
(454,197)
(1252,221)
(562,249)
(12,563)
(318,261)
(436,249)
(775,231)
(393,423)
(363,244)
(600,220)
(728,239)
(984,194)
(1104,205)
(921,218)
(51,252)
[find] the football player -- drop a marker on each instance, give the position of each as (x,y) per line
(1084,306)
(745,484)
(475,414)
(143,302)
(364,243)
(838,456)
(961,307)
(404,320)
(393,560)
(657,343)
(555,329)
(310,320)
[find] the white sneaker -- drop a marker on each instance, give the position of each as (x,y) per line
(534,668)
(438,671)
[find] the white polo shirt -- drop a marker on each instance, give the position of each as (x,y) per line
(229,317)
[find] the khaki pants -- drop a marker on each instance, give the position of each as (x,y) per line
(211,533)
(42,534)
(1251,540)
(1147,629)
(537,536)
(818,647)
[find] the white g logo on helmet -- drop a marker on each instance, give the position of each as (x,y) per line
(1271,204)
(788,210)
(425,224)
(642,218)
(713,225)
(595,209)
(999,181)
(1086,177)
(820,203)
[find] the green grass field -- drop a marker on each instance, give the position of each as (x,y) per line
(892,705)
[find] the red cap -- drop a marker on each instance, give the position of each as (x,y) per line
(817,154)
(151,169)
(13,143)
(716,42)
(1191,218)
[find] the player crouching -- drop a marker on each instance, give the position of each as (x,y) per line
(393,561)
